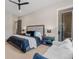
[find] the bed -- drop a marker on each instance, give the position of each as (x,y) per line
(32,38)
(60,50)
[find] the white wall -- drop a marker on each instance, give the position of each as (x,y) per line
(46,16)
(9,24)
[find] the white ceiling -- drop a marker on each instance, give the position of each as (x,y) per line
(26,9)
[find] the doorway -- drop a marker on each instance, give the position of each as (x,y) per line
(67,21)
(65,24)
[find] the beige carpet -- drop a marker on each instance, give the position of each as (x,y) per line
(13,53)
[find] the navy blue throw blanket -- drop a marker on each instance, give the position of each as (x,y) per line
(23,44)
(38,56)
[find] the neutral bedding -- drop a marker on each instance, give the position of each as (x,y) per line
(24,43)
(32,40)
(59,50)
(58,53)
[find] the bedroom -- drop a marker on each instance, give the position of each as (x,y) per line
(42,16)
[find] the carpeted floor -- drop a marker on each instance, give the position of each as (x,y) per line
(13,53)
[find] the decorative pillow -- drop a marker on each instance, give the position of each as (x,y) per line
(38,34)
(38,56)
(31,33)
(27,34)
(67,44)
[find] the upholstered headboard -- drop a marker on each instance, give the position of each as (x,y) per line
(39,28)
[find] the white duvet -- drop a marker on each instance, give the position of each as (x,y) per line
(32,41)
(60,52)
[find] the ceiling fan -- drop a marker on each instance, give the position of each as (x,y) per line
(19,3)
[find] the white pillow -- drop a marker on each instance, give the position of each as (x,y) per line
(38,34)
(27,34)
(67,44)
(57,43)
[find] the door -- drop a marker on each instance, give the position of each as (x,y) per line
(65,26)
(60,28)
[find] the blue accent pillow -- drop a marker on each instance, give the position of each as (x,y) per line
(38,34)
(38,56)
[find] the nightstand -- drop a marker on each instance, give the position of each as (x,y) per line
(48,40)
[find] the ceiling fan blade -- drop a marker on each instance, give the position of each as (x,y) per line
(19,7)
(24,3)
(19,1)
(13,2)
